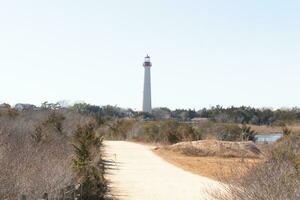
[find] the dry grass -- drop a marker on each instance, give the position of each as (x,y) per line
(266,129)
(212,167)
(274,129)
(278,178)
(218,148)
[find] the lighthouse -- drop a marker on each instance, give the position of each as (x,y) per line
(147,107)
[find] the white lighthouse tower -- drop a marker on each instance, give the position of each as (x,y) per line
(147,107)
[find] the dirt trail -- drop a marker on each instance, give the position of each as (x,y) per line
(136,173)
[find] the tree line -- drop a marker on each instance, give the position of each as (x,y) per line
(242,114)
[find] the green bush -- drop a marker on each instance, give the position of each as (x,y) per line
(230,132)
(187,132)
(150,132)
(248,133)
(172,132)
(169,131)
(119,129)
(85,140)
(87,147)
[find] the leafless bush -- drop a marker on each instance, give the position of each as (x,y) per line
(276,179)
(32,168)
(8,111)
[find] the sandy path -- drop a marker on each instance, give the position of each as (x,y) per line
(137,173)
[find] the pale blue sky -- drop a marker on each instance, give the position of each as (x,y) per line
(232,52)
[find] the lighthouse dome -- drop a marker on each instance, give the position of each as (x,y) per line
(147,62)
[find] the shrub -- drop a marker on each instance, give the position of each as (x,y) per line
(169,131)
(278,178)
(187,133)
(150,131)
(37,136)
(45,166)
(119,129)
(85,140)
(87,146)
(43,129)
(32,169)
(12,112)
(56,120)
(248,133)
(286,130)
(172,132)
(8,111)
(230,132)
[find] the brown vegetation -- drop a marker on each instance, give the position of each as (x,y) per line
(276,128)
(212,158)
(36,152)
(217,148)
(50,148)
(209,166)
(167,132)
(276,179)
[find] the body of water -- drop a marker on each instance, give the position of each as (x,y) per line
(268,138)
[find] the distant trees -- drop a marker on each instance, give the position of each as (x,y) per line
(161,113)
(184,115)
(241,115)
(250,115)
(103,111)
(50,106)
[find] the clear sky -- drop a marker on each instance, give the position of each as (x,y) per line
(232,52)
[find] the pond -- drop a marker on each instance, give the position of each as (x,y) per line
(268,138)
